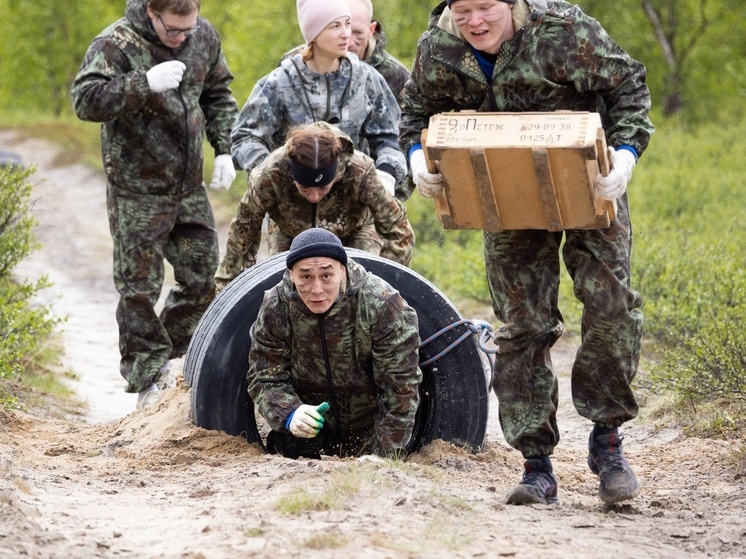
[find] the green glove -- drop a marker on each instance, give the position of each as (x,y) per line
(306,421)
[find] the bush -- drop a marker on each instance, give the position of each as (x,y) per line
(25,328)
(689,262)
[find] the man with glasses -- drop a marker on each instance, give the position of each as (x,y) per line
(158,81)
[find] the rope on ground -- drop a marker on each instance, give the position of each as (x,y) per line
(479,327)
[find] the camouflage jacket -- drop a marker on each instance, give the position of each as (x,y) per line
(356,198)
(362,355)
(560,59)
(393,71)
(152,142)
(354,98)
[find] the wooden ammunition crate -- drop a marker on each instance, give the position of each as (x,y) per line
(519,170)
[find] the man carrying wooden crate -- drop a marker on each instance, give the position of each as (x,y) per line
(543,56)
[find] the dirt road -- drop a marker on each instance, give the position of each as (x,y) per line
(118,483)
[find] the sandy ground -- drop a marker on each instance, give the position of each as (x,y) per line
(149,484)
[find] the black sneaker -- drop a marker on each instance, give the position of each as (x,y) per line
(606,460)
(538,485)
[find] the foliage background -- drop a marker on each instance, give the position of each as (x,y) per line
(686,194)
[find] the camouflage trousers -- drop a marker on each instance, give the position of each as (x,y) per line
(523,273)
(364,238)
(147,230)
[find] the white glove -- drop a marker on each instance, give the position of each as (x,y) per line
(389,182)
(223,173)
(166,75)
(307,420)
(614,185)
(428,184)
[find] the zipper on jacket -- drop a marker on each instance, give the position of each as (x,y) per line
(185,158)
(186,138)
(313,214)
(330,384)
(342,99)
(328,97)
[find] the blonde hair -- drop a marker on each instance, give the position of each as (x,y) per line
(307,52)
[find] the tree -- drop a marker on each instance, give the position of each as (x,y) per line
(677,41)
(692,49)
(695,50)
(45,43)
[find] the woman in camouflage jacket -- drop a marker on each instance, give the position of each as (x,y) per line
(356,207)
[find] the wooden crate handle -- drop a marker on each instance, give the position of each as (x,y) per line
(431,167)
(442,207)
(603,157)
(605,207)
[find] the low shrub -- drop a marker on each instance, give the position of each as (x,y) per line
(24,327)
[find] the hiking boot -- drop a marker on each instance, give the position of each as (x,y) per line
(606,460)
(148,397)
(538,485)
(165,378)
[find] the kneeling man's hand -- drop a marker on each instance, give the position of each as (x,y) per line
(306,421)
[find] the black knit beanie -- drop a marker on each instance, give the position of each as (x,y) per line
(506,1)
(316,242)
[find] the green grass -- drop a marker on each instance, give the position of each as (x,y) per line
(341,486)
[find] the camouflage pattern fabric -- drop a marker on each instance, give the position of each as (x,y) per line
(393,71)
(560,59)
(364,238)
(369,339)
(524,293)
(396,75)
(153,159)
(354,98)
(357,209)
(152,142)
(146,229)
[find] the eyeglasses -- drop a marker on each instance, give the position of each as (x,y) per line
(173,32)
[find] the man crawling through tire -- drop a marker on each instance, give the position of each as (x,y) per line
(333,364)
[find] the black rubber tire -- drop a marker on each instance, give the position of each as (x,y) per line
(454,394)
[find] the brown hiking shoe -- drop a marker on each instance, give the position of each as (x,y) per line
(538,485)
(606,460)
